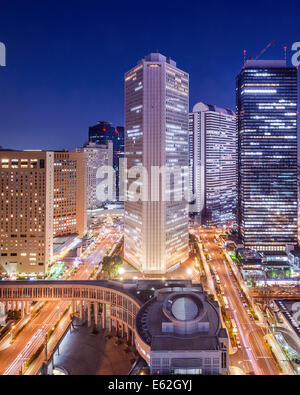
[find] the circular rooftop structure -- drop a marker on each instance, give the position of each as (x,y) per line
(175,316)
(185,308)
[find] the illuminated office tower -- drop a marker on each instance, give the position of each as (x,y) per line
(98,155)
(70,172)
(156,134)
(267,146)
(26,212)
(213,164)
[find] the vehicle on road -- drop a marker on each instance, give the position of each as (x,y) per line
(226,304)
(234,327)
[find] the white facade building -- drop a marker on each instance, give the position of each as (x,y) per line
(156,135)
(213,163)
(98,155)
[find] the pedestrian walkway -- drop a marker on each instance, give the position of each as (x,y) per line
(85,353)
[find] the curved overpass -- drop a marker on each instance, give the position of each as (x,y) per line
(110,300)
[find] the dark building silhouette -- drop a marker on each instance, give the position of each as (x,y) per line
(104,132)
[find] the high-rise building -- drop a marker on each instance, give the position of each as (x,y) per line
(70,172)
(267,159)
(98,155)
(156,135)
(213,164)
(26,211)
(101,134)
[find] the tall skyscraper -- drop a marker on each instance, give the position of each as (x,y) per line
(267,145)
(98,155)
(70,173)
(156,134)
(26,210)
(213,164)
(101,134)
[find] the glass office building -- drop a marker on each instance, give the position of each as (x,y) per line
(267,155)
(213,164)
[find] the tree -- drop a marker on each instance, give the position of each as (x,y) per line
(111,265)
(107,265)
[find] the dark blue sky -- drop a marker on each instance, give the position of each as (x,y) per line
(66,59)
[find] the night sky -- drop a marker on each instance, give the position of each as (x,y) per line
(66,59)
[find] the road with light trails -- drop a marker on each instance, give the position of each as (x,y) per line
(41,325)
(254,356)
(14,357)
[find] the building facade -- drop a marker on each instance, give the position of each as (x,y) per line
(70,184)
(98,155)
(156,135)
(26,212)
(294,259)
(213,164)
(267,155)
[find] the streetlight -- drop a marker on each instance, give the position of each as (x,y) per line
(121,271)
(189,272)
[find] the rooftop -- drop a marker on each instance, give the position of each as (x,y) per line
(249,255)
(180,318)
(185,309)
(202,107)
(158,57)
(262,64)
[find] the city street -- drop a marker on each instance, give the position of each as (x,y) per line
(254,356)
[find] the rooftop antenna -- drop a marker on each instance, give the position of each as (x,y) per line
(285,49)
(265,49)
(245,54)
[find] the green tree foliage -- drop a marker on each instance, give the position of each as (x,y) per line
(111,265)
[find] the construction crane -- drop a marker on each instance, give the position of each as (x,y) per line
(265,49)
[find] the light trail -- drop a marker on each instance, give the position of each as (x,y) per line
(54,313)
(256,350)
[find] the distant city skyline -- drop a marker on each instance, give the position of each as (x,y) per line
(149,211)
(59,81)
